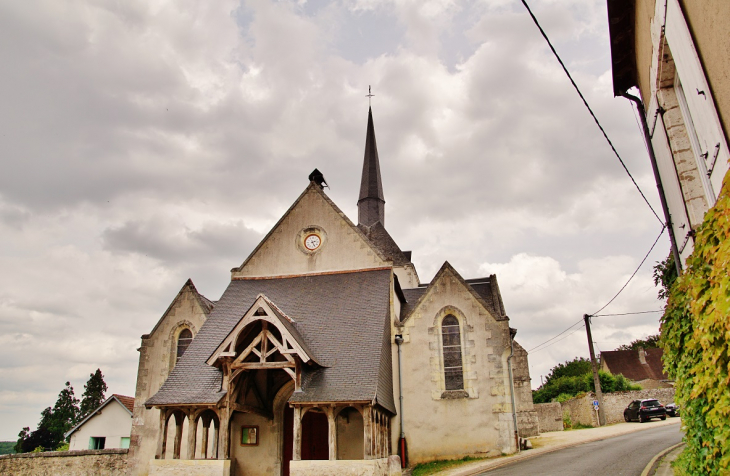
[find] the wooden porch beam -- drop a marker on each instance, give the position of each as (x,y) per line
(238,407)
(262,365)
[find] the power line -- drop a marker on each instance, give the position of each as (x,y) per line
(564,337)
(534,19)
(627,313)
(553,338)
(544,346)
(634,273)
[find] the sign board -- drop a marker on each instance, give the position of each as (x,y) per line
(595,403)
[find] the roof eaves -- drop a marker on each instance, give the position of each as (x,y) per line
(97,410)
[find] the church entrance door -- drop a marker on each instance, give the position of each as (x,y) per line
(315,436)
(288,451)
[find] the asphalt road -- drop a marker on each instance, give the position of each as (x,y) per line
(625,455)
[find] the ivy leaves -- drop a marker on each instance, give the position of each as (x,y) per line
(695,338)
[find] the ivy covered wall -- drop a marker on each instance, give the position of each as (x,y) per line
(695,338)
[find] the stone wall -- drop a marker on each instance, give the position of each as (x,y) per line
(68,463)
(370,467)
(528,424)
(581,410)
(550,416)
(190,467)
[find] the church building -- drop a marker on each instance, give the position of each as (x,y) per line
(326,355)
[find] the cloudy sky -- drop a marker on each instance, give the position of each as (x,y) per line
(146,142)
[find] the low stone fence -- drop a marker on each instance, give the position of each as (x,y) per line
(550,416)
(190,467)
(528,424)
(367,467)
(580,410)
(68,463)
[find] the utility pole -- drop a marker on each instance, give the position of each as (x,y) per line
(596,380)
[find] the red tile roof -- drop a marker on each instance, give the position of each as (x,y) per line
(126,401)
(629,364)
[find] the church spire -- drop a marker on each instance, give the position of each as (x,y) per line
(371,204)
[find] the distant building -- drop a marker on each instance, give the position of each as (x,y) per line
(676,53)
(108,426)
(323,343)
(642,366)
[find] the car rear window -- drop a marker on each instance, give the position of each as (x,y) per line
(651,403)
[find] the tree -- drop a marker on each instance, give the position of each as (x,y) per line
(665,273)
(22,437)
(575,377)
(55,422)
(93,395)
(65,412)
(571,368)
(650,342)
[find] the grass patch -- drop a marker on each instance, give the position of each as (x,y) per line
(580,426)
(432,467)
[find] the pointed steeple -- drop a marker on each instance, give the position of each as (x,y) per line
(371,204)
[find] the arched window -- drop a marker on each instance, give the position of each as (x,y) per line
(451,339)
(183,341)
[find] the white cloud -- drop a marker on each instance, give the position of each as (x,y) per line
(145,143)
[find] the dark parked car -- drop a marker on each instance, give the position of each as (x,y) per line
(673,409)
(644,410)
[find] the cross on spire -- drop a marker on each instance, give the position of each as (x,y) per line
(369,95)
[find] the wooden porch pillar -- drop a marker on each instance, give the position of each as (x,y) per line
(162,438)
(367,420)
(376,434)
(179,419)
(223,434)
(332,426)
(297,450)
(192,434)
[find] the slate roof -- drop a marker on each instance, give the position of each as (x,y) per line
(381,239)
(343,316)
(628,364)
(371,185)
(485,289)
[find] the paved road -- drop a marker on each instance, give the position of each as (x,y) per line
(625,455)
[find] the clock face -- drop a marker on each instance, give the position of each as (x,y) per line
(312,242)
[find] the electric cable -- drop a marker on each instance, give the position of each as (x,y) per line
(553,338)
(635,271)
(534,19)
(627,313)
(564,337)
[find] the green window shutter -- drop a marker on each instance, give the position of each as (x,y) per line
(92,443)
(125,442)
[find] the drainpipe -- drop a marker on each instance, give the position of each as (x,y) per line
(512,333)
(658,179)
(402,439)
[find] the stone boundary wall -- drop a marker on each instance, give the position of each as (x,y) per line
(190,467)
(550,416)
(528,424)
(367,467)
(109,462)
(581,411)
(615,403)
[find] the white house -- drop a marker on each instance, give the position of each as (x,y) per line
(108,426)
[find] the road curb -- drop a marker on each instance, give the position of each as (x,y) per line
(656,459)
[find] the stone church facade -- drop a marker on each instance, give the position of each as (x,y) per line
(327,355)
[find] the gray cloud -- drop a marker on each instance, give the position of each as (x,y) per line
(147,144)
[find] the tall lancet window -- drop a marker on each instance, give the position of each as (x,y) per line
(451,340)
(183,341)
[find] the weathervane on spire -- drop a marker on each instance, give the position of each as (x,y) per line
(369,96)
